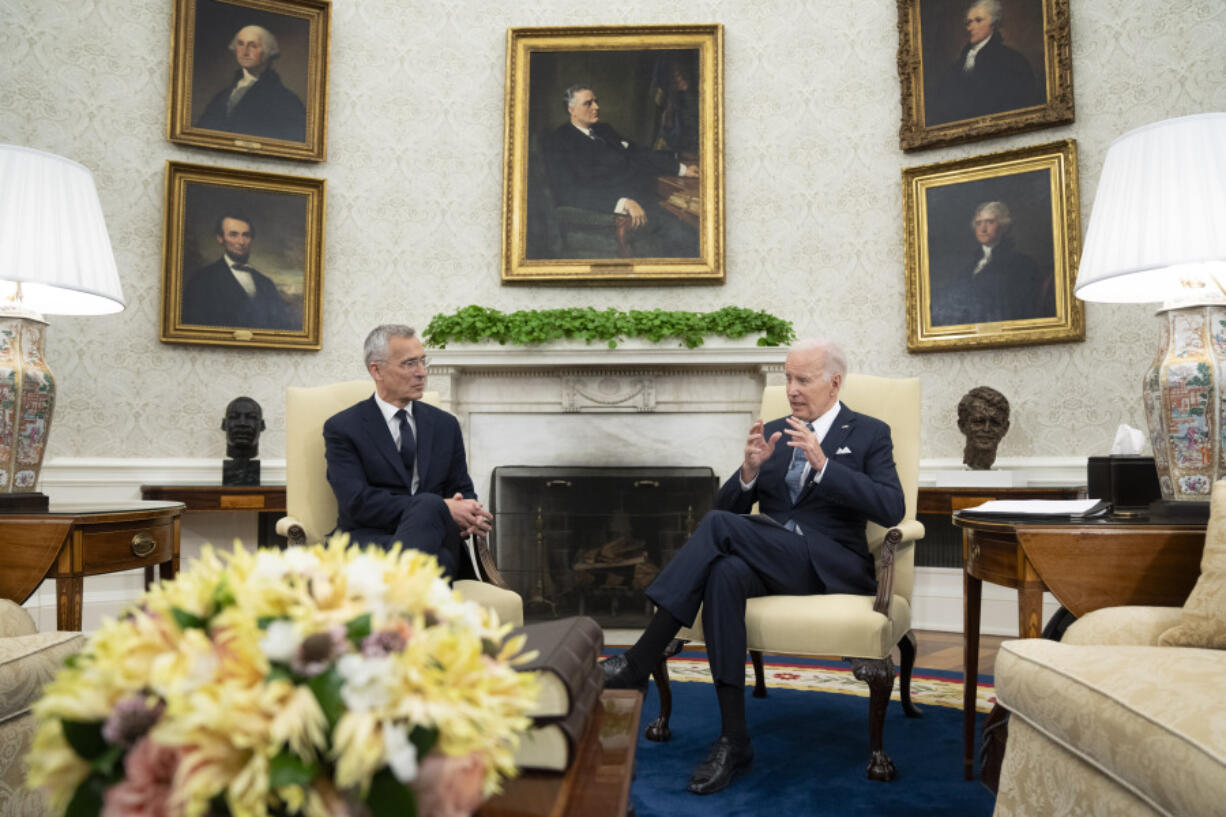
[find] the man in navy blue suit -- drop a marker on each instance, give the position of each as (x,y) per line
(815,492)
(397,465)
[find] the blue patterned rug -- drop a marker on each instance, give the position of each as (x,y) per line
(810,737)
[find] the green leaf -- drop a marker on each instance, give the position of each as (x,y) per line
(389,797)
(279,672)
(423,738)
(223,595)
(263,621)
(326,687)
(108,763)
(358,628)
(287,769)
(85,738)
(87,799)
(186,620)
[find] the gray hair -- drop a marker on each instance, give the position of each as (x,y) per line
(834,362)
(992,7)
(376,343)
(997,208)
(271,49)
(569,93)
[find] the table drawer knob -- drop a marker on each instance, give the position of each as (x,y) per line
(143,544)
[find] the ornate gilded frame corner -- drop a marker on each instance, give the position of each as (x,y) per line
(185,70)
(287,246)
(1050,170)
(1057,74)
(525,258)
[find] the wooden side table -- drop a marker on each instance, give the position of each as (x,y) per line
(1086,564)
(75,540)
(267,501)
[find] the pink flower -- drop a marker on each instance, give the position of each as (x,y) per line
(449,786)
(149,771)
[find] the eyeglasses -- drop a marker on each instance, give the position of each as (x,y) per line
(411,363)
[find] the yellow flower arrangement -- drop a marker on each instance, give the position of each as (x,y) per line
(321,681)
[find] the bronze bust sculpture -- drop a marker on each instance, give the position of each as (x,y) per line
(243,423)
(983,416)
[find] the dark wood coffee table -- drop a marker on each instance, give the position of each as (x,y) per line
(597,783)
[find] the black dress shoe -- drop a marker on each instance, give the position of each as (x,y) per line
(619,675)
(723,762)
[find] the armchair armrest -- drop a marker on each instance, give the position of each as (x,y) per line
(291,529)
(885,571)
(911,530)
(485,563)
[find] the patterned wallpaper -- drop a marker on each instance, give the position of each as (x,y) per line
(414,185)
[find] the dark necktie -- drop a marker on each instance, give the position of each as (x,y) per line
(408,443)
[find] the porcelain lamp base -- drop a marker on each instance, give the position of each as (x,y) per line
(27,399)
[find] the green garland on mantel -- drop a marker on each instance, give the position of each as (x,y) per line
(473,324)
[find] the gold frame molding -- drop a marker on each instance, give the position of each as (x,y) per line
(522,43)
(179,128)
(247,187)
(1057,73)
(1059,161)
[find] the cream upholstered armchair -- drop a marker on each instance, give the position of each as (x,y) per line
(311,505)
(860,629)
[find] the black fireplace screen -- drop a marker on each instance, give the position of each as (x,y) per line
(588,540)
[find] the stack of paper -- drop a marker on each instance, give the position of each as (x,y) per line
(1071,508)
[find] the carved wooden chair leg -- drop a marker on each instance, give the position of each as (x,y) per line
(878,673)
(759,677)
(906,652)
(658,729)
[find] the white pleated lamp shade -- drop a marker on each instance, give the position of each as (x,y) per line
(53,238)
(1158,228)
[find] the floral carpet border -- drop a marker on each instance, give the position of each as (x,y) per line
(931,687)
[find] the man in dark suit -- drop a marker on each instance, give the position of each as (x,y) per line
(814,493)
(987,77)
(998,283)
(591,166)
(255,102)
(397,465)
(230,292)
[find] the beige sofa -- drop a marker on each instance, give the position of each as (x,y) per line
(28,659)
(1123,717)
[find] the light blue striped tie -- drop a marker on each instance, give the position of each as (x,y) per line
(796,469)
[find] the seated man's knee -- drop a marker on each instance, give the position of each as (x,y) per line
(730,576)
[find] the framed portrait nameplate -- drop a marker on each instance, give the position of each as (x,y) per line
(614,155)
(992,244)
(242,258)
(250,76)
(972,71)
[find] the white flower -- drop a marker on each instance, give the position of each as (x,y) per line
(364,685)
(269,566)
(365,576)
(203,670)
(280,641)
(401,753)
(300,560)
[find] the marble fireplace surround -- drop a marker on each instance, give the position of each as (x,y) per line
(639,404)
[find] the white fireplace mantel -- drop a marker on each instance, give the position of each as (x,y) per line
(631,352)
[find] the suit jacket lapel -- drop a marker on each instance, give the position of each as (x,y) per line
(423,418)
(381,439)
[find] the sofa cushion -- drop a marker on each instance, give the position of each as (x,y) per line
(1203,623)
(27,662)
(1148,717)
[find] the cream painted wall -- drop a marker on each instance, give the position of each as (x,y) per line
(414,184)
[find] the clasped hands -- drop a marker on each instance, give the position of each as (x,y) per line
(758,448)
(469,515)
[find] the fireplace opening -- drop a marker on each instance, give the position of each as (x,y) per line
(588,540)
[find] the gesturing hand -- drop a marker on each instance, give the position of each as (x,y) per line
(801,437)
(757,450)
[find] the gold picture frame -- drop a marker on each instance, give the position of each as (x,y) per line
(242,258)
(1023,204)
(1020,77)
(228,93)
(658,93)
